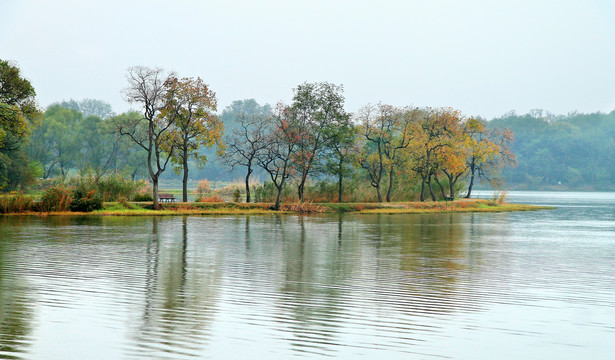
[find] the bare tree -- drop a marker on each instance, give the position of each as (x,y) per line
(152,132)
(282,142)
(245,142)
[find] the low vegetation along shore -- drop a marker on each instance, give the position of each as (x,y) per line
(235,208)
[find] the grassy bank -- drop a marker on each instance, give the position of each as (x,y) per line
(230,208)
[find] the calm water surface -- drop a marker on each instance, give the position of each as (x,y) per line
(537,285)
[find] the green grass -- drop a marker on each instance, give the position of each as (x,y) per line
(231,208)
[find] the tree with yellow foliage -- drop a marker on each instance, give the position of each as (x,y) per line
(190,106)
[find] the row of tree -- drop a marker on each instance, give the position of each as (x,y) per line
(313,137)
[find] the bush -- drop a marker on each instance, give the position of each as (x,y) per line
(43,184)
(143,197)
(85,198)
(110,187)
(114,186)
(214,198)
(237,196)
(304,207)
(16,203)
(56,198)
(267,192)
(203,188)
(86,202)
(230,189)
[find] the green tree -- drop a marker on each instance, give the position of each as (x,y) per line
(99,145)
(340,150)
(130,157)
(56,144)
(19,114)
(316,107)
(89,107)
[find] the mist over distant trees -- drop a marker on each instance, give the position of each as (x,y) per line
(89,107)
(565,152)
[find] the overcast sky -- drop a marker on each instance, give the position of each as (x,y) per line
(482,57)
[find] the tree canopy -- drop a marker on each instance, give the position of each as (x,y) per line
(19,114)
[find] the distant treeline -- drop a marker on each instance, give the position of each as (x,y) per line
(561,152)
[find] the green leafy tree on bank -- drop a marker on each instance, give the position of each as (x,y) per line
(57,143)
(316,107)
(19,114)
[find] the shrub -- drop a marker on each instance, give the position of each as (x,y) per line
(43,184)
(498,198)
(304,207)
(86,201)
(110,187)
(113,186)
(237,196)
(56,198)
(230,189)
(214,198)
(267,192)
(203,187)
(16,203)
(143,197)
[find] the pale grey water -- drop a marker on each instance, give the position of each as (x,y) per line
(536,285)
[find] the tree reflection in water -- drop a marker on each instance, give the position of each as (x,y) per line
(16,302)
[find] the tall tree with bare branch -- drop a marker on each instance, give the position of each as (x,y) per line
(152,132)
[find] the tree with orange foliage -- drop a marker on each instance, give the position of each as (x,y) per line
(451,158)
(435,131)
(488,153)
(189,107)
(376,130)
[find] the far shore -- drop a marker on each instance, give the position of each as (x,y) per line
(232,208)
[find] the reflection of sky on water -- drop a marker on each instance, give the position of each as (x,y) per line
(387,286)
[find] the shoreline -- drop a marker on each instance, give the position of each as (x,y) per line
(230,208)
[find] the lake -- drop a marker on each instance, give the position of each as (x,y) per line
(526,285)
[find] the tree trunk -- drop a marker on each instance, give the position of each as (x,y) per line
(378,192)
(185,180)
(441,187)
(277,198)
(155,192)
(451,184)
(340,192)
(471,185)
(433,196)
(301,187)
(422,198)
(300,191)
(248,184)
(390,184)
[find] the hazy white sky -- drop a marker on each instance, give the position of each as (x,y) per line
(484,57)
